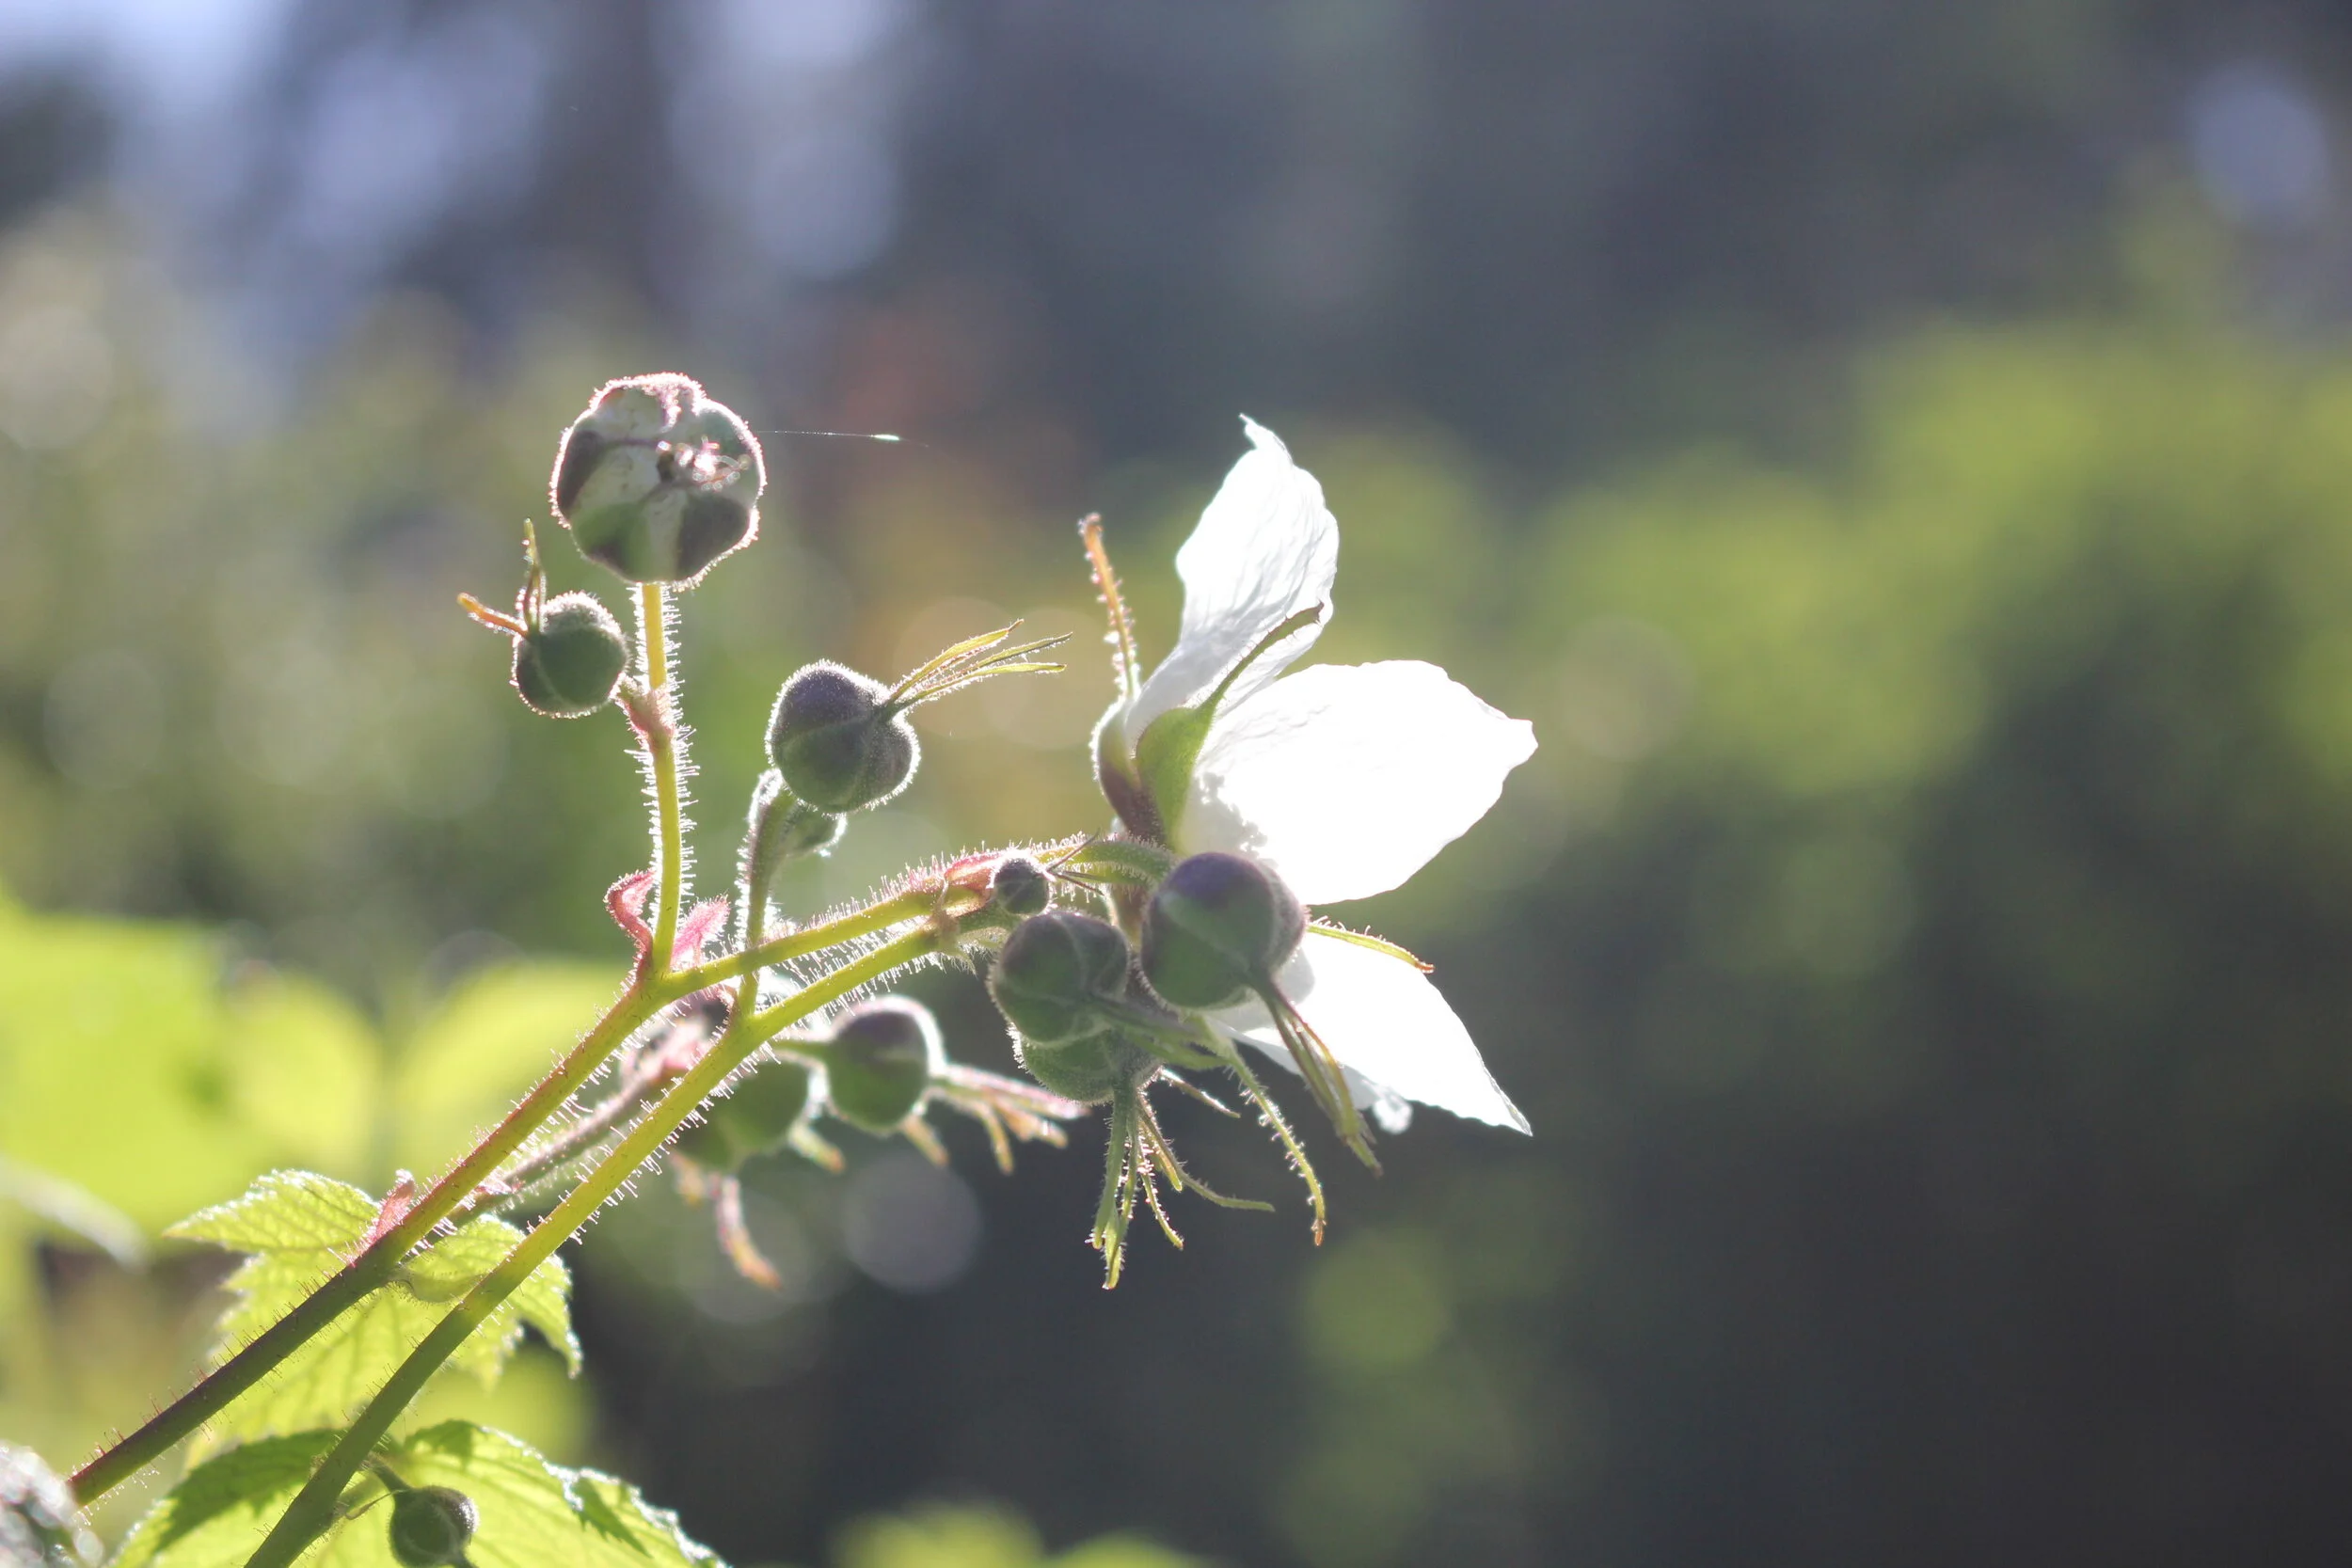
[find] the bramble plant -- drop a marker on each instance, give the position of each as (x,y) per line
(1123,960)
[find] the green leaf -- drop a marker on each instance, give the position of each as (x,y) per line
(39,1527)
(534,1513)
(136,1067)
(298,1228)
(233,1499)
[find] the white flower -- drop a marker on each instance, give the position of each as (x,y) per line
(1343,780)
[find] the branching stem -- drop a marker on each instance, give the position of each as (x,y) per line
(376,1266)
(313,1508)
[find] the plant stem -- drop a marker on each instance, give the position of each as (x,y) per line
(662,745)
(867,922)
(313,1508)
(376,1266)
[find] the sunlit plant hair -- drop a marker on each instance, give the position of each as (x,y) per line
(1138,954)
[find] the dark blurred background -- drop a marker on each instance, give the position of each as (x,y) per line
(1899,456)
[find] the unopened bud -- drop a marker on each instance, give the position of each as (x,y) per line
(432,1525)
(1020,886)
(1090,1069)
(882,1057)
(755,1118)
(1056,972)
(570,665)
(657,480)
(837,742)
(1217,930)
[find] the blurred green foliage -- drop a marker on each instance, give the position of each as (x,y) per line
(965,1536)
(147,1072)
(1918,943)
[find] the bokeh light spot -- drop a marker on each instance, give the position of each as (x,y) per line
(909,1224)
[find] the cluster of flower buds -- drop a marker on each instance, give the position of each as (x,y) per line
(1064,981)
(877,1068)
(1241,795)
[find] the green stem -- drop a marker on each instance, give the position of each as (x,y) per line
(376,1266)
(867,922)
(661,754)
(373,1267)
(313,1508)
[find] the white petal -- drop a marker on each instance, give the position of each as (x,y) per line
(1387,1025)
(1265,548)
(1346,778)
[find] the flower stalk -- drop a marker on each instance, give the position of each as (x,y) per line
(313,1509)
(653,987)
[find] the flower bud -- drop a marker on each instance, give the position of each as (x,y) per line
(432,1525)
(881,1059)
(571,664)
(1020,886)
(755,1118)
(657,481)
(1217,930)
(1055,973)
(838,744)
(1091,1069)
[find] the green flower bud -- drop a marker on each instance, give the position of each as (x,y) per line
(1020,886)
(882,1057)
(1091,1069)
(839,743)
(570,665)
(432,1525)
(657,481)
(1217,930)
(1056,972)
(755,1118)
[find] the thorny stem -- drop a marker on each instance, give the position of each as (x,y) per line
(313,1508)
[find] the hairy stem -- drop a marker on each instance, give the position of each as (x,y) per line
(376,1266)
(373,1267)
(874,918)
(662,745)
(313,1508)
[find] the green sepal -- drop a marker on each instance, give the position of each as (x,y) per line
(1126,861)
(1092,1070)
(1165,755)
(1169,746)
